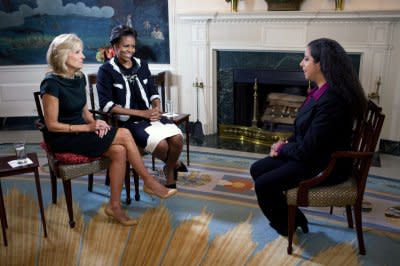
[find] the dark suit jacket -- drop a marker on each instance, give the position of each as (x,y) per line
(321,127)
(114,89)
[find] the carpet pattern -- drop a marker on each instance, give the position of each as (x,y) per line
(214,220)
(102,241)
(184,230)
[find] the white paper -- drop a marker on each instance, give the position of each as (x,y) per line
(15,163)
(170,115)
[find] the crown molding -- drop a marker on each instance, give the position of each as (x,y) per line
(292,16)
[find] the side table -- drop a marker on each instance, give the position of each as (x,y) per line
(7,170)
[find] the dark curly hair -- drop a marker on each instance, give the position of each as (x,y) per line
(119,31)
(339,72)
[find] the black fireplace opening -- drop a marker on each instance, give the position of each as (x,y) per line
(266,81)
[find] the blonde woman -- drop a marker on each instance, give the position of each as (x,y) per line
(71,127)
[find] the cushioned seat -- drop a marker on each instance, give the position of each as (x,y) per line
(325,196)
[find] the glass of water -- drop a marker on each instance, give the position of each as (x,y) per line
(20,152)
(169,108)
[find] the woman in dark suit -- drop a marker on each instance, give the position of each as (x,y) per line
(323,125)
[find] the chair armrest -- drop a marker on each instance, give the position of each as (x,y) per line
(109,117)
(39,124)
(306,185)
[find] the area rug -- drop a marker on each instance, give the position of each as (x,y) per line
(214,220)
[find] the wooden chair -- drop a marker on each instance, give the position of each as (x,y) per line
(95,109)
(159,81)
(68,166)
(350,193)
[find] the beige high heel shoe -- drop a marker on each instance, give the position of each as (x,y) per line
(170,193)
(128,222)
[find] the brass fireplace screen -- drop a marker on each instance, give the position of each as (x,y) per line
(281,109)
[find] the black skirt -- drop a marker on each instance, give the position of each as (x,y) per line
(84,143)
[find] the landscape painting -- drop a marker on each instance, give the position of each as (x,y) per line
(28,26)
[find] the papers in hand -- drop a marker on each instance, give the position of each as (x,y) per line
(18,163)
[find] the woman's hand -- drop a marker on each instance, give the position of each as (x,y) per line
(153,114)
(101,128)
(275,148)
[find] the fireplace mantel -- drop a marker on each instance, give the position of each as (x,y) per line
(375,35)
(292,16)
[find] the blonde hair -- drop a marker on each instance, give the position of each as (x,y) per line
(58,51)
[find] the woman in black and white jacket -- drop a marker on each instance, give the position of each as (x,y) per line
(126,89)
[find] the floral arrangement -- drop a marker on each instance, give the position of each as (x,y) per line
(105,53)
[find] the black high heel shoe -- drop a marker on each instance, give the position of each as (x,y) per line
(170,185)
(182,167)
(175,172)
(283,230)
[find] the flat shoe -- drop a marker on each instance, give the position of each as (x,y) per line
(170,193)
(128,222)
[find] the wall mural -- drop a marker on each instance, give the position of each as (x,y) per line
(28,26)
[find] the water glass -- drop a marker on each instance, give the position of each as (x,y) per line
(169,107)
(20,152)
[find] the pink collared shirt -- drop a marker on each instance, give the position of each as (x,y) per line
(316,93)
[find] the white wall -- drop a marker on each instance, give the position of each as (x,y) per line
(18,82)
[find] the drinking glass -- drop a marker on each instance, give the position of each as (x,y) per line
(20,152)
(169,107)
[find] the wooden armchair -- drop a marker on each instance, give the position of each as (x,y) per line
(68,166)
(350,193)
(95,109)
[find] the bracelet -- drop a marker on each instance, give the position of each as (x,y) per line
(70,128)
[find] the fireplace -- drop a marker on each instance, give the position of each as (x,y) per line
(266,82)
(237,74)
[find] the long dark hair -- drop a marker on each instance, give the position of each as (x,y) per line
(339,72)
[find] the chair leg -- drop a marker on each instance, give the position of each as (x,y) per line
(3,217)
(291,224)
(107,181)
(90,183)
(128,184)
(136,181)
(68,199)
(358,220)
(349,215)
(153,161)
(53,181)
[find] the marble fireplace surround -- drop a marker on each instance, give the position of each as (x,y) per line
(202,35)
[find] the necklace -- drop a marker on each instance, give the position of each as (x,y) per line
(131,78)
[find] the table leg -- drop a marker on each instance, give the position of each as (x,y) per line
(3,217)
(187,141)
(39,194)
(3,208)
